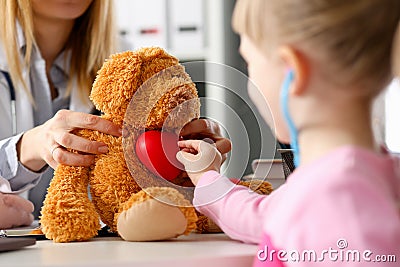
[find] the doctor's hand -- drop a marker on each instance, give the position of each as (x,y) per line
(14,211)
(204,128)
(48,143)
(198,157)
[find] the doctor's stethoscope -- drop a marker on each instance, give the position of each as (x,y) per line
(12,103)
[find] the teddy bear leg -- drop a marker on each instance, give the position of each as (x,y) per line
(151,220)
(67,213)
(144,218)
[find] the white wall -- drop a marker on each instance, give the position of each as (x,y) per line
(176,25)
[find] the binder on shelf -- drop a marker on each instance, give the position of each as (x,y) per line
(186,25)
(143,23)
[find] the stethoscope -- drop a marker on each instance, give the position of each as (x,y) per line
(12,98)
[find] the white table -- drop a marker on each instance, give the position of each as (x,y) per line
(197,250)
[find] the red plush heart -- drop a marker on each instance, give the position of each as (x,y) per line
(157,151)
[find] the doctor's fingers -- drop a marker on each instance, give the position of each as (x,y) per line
(71,120)
(71,141)
(62,156)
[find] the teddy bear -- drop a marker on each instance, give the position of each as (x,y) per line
(116,198)
(150,95)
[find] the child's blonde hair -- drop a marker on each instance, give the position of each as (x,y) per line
(91,41)
(356,38)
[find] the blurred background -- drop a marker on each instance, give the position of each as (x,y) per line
(199,33)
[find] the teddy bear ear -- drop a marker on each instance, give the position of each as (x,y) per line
(123,73)
(116,82)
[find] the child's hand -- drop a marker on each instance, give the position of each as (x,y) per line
(198,157)
(204,128)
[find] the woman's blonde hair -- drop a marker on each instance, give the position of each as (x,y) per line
(356,38)
(91,41)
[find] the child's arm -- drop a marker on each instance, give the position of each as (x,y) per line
(236,209)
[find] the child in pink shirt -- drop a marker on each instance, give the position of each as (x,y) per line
(319,65)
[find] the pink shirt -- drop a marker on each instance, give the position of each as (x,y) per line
(342,209)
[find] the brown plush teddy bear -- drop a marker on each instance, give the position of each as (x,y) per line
(68,214)
(145,91)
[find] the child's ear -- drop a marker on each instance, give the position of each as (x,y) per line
(295,61)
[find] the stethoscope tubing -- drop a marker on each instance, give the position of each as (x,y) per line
(12,101)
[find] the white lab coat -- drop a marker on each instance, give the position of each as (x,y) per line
(24,109)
